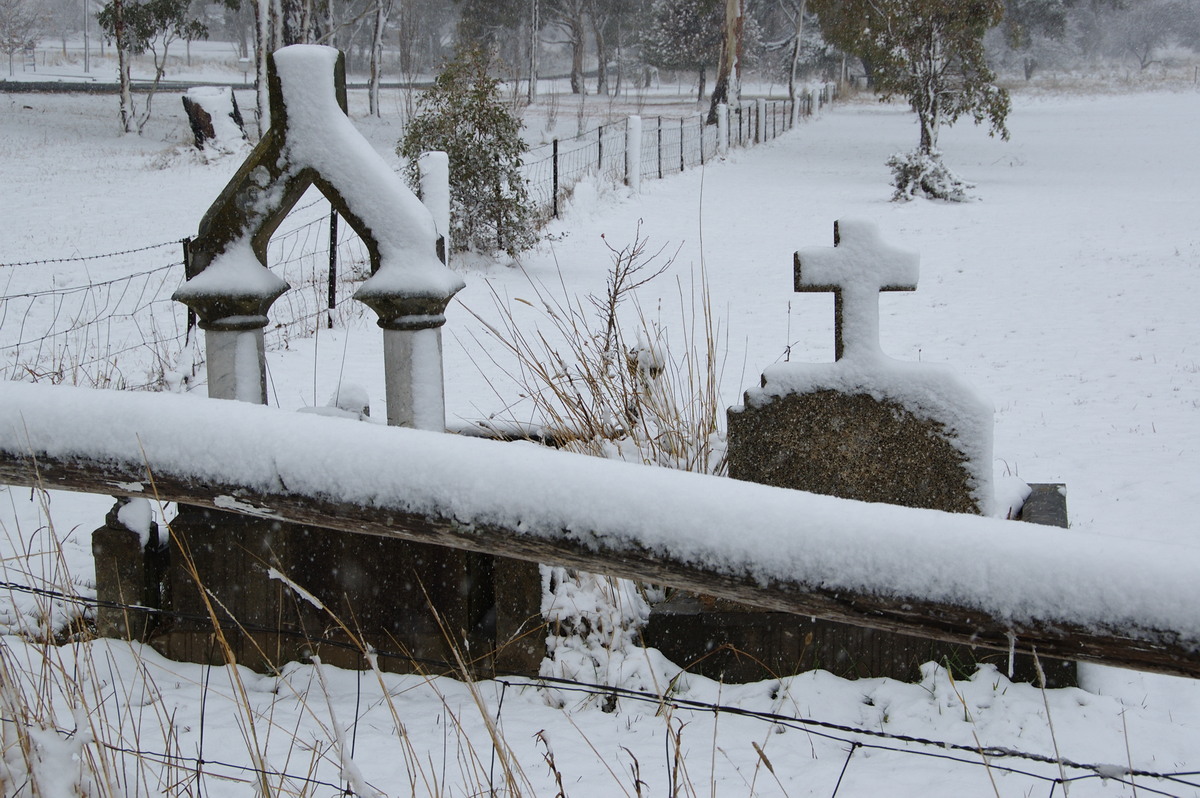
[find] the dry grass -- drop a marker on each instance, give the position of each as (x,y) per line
(599,376)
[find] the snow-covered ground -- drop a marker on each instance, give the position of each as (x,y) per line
(1064,295)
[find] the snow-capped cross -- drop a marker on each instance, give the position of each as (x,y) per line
(856,269)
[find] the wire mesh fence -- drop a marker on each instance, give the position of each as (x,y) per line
(127,332)
(668,146)
(853,745)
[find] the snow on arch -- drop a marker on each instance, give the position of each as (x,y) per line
(312,142)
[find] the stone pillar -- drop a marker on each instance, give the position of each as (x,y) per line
(413,376)
(236,362)
(412,352)
(232,313)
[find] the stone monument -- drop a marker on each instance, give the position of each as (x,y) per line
(864,427)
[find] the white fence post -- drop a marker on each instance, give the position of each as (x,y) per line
(722,129)
(760,134)
(434,169)
(633,154)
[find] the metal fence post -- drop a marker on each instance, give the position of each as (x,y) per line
(554,188)
(187,273)
(600,150)
(333,236)
(682,162)
(660,165)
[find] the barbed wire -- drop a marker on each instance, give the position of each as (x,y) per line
(981,755)
(46,261)
(175,243)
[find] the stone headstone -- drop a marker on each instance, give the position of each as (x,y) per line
(866,426)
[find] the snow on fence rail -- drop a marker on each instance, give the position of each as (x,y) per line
(953,577)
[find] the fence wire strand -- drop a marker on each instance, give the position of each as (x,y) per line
(853,736)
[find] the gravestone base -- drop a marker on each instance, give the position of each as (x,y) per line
(852,446)
(737,644)
(267,622)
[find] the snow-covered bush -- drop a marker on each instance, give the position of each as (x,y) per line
(922,174)
(463,115)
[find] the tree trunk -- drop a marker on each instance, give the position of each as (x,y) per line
(127,111)
(703,85)
(535,41)
(794,73)
(601,54)
(728,70)
(575,31)
(382,9)
(263,22)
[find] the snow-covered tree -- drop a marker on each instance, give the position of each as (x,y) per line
(685,34)
(21,24)
(146,25)
(569,17)
(464,116)
(1142,29)
(931,53)
(729,70)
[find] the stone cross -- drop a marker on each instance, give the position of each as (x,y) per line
(856,269)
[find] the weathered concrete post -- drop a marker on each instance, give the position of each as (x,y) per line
(232,305)
(722,129)
(633,154)
(412,354)
(434,168)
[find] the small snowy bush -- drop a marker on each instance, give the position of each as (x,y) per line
(922,174)
(463,116)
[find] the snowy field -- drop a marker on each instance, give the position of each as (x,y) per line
(1064,295)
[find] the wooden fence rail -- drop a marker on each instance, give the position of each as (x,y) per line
(115,443)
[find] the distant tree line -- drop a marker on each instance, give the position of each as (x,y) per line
(604,46)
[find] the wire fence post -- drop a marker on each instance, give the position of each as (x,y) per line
(682,161)
(600,150)
(702,141)
(187,272)
(633,153)
(554,169)
(660,165)
(722,130)
(333,240)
